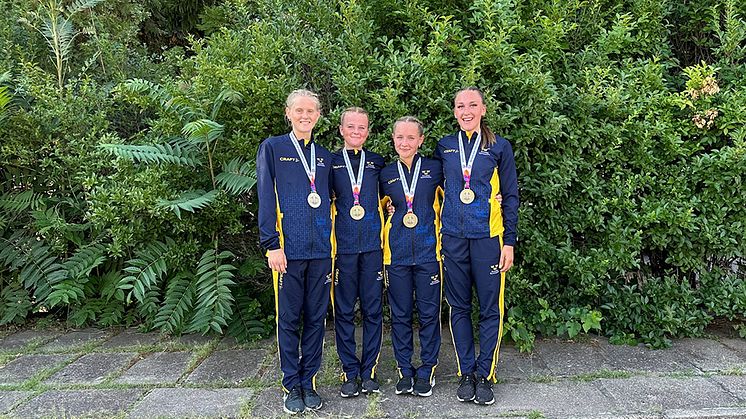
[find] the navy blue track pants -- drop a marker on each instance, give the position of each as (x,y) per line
(408,286)
(471,263)
(301,296)
(358,276)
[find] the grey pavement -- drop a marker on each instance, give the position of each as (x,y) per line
(128,374)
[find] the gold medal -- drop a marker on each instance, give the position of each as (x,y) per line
(357,212)
(410,220)
(314,200)
(467,196)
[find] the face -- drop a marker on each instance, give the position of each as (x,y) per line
(303,115)
(469,109)
(407,139)
(354,129)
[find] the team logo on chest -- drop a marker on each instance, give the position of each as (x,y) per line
(380,276)
(320,162)
(435,279)
(425,175)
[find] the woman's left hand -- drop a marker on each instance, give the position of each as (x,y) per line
(506,258)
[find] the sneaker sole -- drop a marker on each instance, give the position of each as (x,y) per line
(465,400)
(347,396)
(484,403)
(317,407)
(428,394)
(288,411)
(403,391)
(371,391)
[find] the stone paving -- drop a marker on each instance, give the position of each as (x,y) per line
(127,374)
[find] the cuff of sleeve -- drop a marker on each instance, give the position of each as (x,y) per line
(272,245)
(509,241)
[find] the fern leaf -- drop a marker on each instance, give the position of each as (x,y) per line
(34,261)
(226,95)
(203,129)
(85,260)
(247,323)
(78,267)
(15,304)
(153,91)
(109,286)
(64,37)
(237,177)
(86,313)
(145,271)
(5,98)
(80,5)
(177,304)
(214,299)
(111,314)
(158,154)
(189,201)
(148,308)
(21,201)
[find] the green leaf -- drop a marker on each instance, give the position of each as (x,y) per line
(189,201)
(214,304)
(237,177)
(177,304)
(146,271)
(203,130)
(157,154)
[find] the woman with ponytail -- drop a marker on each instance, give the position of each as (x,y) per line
(478,237)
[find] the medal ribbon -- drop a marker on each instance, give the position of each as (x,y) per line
(466,166)
(310,172)
(409,189)
(356,183)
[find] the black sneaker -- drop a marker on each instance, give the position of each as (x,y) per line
(371,386)
(483,392)
(404,386)
(349,388)
(466,388)
(293,401)
(311,399)
(423,387)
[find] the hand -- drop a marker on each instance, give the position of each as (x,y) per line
(506,258)
(499,198)
(277,261)
(390,209)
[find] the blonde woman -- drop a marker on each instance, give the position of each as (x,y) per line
(295,226)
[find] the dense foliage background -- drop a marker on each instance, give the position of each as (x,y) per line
(128,131)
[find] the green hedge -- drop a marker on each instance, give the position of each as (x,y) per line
(127,191)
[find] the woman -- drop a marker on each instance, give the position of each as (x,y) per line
(411,255)
(479,233)
(294,189)
(359,260)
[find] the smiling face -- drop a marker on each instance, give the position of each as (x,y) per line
(303,113)
(354,129)
(469,108)
(407,139)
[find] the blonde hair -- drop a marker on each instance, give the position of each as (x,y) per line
(295,94)
(488,137)
(420,128)
(351,109)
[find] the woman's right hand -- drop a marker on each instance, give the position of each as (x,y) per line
(277,261)
(390,208)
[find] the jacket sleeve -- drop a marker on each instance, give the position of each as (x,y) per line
(269,237)
(509,191)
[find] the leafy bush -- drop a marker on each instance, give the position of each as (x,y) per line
(627,120)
